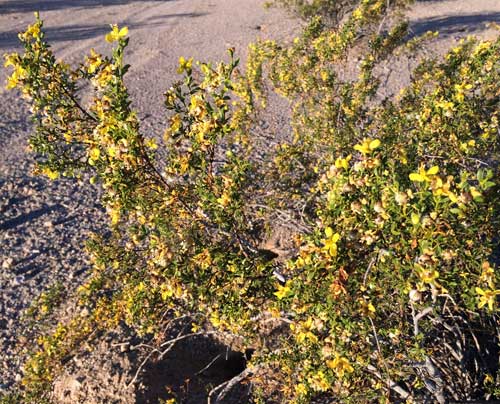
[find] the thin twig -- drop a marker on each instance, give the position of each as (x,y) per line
(75,102)
(372,261)
(418,317)
(392,384)
(435,376)
(284,216)
(199,372)
(214,390)
(229,384)
(180,338)
(458,357)
(141,366)
(380,351)
(171,343)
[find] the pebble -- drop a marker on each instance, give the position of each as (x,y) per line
(7,263)
(48,224)
(125,347)
(18,280)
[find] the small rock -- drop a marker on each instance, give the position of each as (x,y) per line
(18,280)
(78,361)
(7,263)
(48,224)
(74,384)
(125,347)
(415,295)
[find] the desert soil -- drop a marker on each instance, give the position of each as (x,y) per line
(43,224)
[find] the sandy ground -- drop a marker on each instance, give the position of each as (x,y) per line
(43,224)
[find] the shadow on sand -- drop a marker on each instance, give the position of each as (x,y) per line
(453,24)
(9,39)
(23,6)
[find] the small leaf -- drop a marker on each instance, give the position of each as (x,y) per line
(488,184)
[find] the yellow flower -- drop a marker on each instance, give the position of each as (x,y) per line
(446,106)
(488,379)
(184,65)
(12,81)
(104,76)
(94,61)
(115,215)
(224,200)
(11,60)
(197,107)
(440,188)
(151,144)
(283,291)
(357,14)
(318,381)
(343,163)
(113,151)
(116,34)
(94,154)
(367,146)
(53,175)
(18,74)
(174,127)
(33,31)
(301,389)
(367,308)
(303,331)
(215,319)
(340,366)
(423,175)
(330,243)
(427,275)
(487,297)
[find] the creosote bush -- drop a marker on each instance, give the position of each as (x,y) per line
(392,291)
(331,11)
